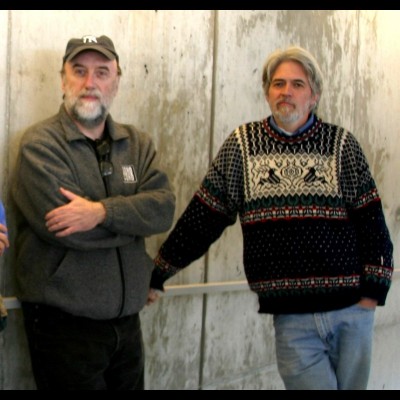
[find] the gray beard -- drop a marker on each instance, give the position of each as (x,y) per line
(287,118)
(90,122)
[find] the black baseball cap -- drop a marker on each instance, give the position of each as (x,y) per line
(103,44)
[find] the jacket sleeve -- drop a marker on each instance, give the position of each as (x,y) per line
(366,213)
(40,172)
(151,210)
(211,210)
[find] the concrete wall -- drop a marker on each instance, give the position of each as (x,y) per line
(189,78)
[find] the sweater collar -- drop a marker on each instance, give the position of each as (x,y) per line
(308,129)
(299,131)
(72,132)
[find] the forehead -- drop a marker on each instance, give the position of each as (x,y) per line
(90,57)
(290,70)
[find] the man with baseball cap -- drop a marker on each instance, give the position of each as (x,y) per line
(88,191)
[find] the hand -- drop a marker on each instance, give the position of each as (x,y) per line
(368,303)
(4,242)
(152,297)
(79,215)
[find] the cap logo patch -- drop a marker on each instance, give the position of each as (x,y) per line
(89,39)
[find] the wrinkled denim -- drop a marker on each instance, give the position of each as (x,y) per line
(325,351)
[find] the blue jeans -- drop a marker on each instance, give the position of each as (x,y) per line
(325,351)
(76,353)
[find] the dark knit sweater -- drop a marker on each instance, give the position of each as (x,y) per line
(315,237)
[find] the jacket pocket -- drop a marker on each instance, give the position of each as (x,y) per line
(87,284)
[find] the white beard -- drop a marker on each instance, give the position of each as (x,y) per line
(88,110)
(288,115)
(88,113)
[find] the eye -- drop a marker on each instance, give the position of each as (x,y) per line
(81,72)
(298,84)
(102,73)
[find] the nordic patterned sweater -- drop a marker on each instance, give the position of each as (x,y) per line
(315,237)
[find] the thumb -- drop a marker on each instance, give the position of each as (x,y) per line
(69,195)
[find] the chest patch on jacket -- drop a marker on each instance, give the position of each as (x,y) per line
(129,174)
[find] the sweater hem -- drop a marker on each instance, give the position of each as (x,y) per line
(304,306)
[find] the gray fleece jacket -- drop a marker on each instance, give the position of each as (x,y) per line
(100,274)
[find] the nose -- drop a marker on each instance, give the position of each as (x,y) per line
(90,80)
(286,90)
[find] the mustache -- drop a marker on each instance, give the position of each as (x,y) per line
(284,100)
(91,93)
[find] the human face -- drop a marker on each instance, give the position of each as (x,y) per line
(290,96)
(89,82)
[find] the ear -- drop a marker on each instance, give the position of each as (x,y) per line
(118,80)
(314,100)
(63,82)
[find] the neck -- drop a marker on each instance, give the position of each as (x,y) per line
(291,128)
(288,127)
(93,133)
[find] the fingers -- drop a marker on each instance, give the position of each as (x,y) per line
(4,243)
(368,303)
(51,216)
(152,297)
(55,221)
(65,232)
(69,195)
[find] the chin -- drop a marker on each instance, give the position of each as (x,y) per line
(89,113)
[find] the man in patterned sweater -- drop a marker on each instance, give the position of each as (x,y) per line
(317,250)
